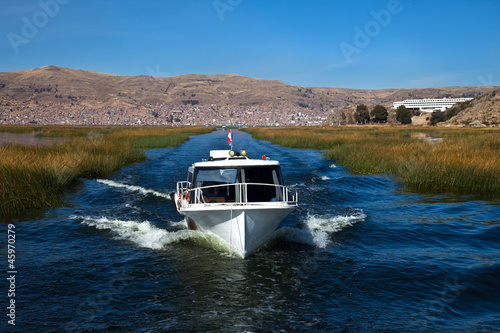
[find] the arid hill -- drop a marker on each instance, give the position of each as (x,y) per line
(483,110)
(64,88)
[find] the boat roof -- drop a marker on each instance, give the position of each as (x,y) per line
(222,159)
(235,162)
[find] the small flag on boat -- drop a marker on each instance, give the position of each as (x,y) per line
(230,138)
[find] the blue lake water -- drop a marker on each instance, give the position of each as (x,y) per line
(360,254)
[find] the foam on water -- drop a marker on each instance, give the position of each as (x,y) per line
(313,180)
(143,234)
(316,229)
(333,166)
(134,188)
(319,179)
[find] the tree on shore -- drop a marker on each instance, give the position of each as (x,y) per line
(437,117)
(403,115)
(379,114)
(362,115)
(452,112)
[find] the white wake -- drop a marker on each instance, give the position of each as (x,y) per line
(316,229)
(134,188)
(143,234)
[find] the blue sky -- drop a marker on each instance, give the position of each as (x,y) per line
(325,43)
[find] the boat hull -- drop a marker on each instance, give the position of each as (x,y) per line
(243,228)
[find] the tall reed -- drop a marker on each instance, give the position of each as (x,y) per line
(465,160)
(35,177)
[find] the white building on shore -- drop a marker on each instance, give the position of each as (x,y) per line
(430,105)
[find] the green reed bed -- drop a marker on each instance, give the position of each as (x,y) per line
(72,131)
(35,177)
(465,160)
(57,131)
(17,129)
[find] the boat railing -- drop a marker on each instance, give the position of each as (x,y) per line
(240,193)
(183,187)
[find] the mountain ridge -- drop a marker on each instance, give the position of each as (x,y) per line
(52,88)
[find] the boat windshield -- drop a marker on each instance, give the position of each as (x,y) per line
(221,184)
(227,176)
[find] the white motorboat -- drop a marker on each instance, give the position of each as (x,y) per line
(239,200)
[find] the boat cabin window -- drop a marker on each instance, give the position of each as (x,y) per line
(221,185)
(212,180)
(216,175)
(262,175)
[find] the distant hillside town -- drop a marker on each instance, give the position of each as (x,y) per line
(161,115)
(53,95)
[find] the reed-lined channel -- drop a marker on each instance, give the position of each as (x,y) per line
(361,254)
